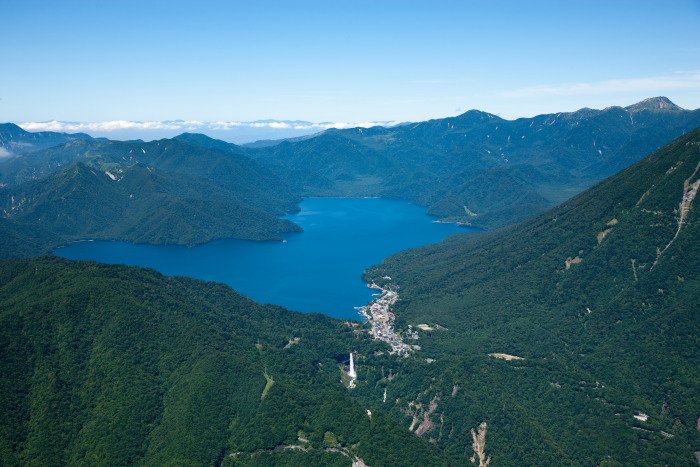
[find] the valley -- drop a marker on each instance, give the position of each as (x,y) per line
(567,336)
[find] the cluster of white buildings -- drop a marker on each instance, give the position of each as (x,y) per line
(381,318)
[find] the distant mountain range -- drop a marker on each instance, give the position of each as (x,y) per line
(231,131)
(478,168)
(15,140)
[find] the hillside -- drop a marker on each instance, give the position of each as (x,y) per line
(161,192)
(111,365)
(479,168)
(574,335)
(143,205)
(301,179)
(257,184)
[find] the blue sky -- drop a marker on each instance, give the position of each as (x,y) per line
(340,61)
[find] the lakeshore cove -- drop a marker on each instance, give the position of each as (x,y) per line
(318,270)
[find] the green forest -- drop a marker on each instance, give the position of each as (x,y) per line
(569,339)
(114,365)
(163,192)
(599,299)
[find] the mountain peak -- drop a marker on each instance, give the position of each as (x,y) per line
(654,103)
(11,128)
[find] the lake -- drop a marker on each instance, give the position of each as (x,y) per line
(318,270)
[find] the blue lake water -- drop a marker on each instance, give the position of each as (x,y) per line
(318,270)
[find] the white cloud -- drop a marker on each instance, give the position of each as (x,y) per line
(686,80)
(115,125)
(193,125)
(4,152)
(277,125)
(343,125)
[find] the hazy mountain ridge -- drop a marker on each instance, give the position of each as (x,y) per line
(239,132)
(301,179)
(14,140)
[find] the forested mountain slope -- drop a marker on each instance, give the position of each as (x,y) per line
(115,366)
(143,205)
(258,186)
(592,308)
(302,179)
(480,168)
(161,192)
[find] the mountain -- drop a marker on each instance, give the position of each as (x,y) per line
(573,335)
(654,103)
(475,168)
(142,205)
(165,191)
(225,167)
(114,366)
(301,179)
(15,140)
(450,165)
